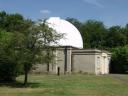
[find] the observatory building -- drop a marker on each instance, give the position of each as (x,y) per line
(70,55)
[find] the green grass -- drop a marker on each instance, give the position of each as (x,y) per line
(68,85)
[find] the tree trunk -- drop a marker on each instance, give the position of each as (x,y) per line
(25,78)
(26,74)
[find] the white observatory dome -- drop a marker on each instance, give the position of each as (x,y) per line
(72,36)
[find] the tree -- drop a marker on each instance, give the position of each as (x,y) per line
(115,37)
(35,43)
(125,31)
(29,43)
(13,22)
(93,33)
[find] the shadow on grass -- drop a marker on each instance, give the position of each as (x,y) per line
(17,84)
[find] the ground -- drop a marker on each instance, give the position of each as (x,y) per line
(68,85)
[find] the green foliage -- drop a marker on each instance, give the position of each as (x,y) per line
(93,33)
(29,45)
(8,69)
(21,40)
(119,60)
(12,31)
(13,22)
(115,37)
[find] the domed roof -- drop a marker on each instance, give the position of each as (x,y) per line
(72,36)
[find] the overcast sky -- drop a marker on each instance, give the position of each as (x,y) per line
(111,12)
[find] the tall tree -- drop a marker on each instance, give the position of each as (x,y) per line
(115,37)
(125,31)
(35,44)
(29,42)
(93,33)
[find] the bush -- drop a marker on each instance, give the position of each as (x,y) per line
(8,70)
(119,62)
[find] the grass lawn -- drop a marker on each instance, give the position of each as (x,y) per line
(69,85)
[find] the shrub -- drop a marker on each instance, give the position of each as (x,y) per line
(8,70)
(119,63)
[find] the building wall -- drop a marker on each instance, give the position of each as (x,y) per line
(102,63)
(75,60)
(105,63)
(91,61)
(87,61)
(63,61)
(59,62)
(53,66)
(83,63)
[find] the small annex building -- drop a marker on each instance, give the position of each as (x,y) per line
(70,57)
